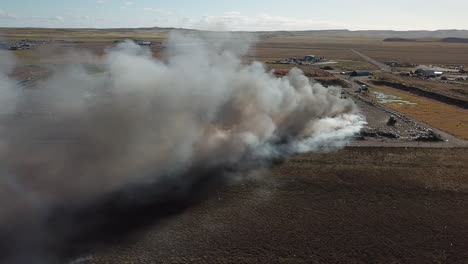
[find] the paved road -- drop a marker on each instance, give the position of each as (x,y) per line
(381,66)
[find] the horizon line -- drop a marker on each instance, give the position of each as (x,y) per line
(247,31)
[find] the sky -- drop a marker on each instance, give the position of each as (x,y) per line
(248,15)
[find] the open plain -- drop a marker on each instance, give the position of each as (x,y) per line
(397,194)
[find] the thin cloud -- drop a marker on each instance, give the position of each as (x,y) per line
(57,18)
(230,21)
(158,11)
(4,14)
(262,22)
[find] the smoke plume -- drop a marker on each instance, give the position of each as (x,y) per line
(150,130)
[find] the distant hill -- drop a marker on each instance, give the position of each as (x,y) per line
(415,34)
(399,40)
(387,35)
(382,34)
(447,40)
(455,40)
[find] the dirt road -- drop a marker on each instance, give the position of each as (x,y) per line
(381,66)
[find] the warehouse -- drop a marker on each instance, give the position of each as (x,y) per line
(427,73)
(360,73)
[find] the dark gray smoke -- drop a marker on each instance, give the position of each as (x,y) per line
(80,136)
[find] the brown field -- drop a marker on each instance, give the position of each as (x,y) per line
(380,201)
(84,35)
(459,91)
(273,46)
(338,48)
(451,119)
(349,65)
(420,52)
(360,205)
(274,49)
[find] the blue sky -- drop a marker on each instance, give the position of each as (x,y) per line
(237,15)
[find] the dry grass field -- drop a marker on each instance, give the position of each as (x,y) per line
(458,91)
(451,119)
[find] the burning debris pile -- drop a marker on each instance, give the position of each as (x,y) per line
(146,131)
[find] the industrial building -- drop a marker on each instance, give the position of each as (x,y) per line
(427,73)
(360,73)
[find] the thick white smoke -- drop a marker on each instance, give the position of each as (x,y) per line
(80,135)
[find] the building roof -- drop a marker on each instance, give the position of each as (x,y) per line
(359,72)
(425,72)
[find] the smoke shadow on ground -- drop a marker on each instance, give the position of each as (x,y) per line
(126,214)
